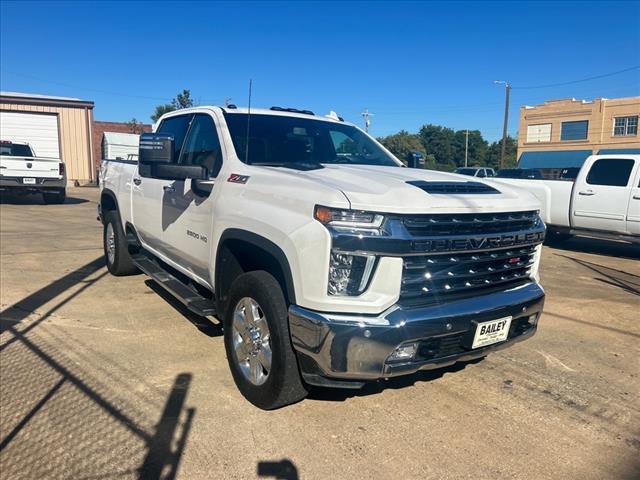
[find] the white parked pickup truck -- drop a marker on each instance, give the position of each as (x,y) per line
(326,260)
(603,201)
(21,172)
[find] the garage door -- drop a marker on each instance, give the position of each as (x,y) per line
(37,129)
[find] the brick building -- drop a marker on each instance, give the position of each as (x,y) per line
(563,133)
(99,129)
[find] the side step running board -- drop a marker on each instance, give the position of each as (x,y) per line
(191,299)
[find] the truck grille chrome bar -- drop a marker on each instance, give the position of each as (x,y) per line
(474,224)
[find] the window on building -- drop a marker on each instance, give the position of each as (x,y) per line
(539,133)
(574,130)
(611,172)
(623,126)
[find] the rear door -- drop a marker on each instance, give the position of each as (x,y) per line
(188,209)
(151,196)
(601,197)
(633,214)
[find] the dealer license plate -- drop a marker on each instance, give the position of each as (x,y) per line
(29,181)
(488,333)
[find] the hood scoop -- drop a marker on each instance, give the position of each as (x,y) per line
(453,188)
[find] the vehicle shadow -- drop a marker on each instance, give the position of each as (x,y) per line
(597,246)
(34,199)
(626,281)
(284,469)
(377,387)
(69,412)
(205,325)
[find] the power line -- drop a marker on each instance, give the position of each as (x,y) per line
(579,81)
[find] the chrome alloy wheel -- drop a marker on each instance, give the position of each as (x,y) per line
(110,238)
(251,341)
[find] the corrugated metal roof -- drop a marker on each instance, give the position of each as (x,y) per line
(558,159)
(37,95)
(128,139)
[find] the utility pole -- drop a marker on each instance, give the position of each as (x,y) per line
(367,121)
(227,101)
(507,91)
(466,147)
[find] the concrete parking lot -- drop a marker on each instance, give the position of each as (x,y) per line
(105,377)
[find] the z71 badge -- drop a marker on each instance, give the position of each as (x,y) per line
(235,178)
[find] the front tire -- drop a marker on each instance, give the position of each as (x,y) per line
(116,251)
(258,344)
(55,197)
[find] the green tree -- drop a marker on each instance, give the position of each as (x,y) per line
(401,143)
(181,100)
(135,126)
(477,148)
(494,152)
(439,142)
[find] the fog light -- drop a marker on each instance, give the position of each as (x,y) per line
(404,352)
(349,274)
(533,319)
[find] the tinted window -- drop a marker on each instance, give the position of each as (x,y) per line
(574,130)
(611,172)
(466,171)
(15,150)
(176,126)
(282,140)
(202,146)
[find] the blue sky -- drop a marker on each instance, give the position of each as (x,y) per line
(409,63)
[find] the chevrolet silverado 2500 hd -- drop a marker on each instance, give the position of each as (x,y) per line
(327,262)
(603,201)
(21,172)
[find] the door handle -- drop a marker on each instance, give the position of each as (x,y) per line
(636,197)
(169,188)
(137,180)
(588,193)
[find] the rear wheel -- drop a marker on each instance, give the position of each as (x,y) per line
(258,345)
(116,251)
(54,196)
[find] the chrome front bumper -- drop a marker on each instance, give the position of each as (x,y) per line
(342,350)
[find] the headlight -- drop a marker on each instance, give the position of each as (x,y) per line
(354,219)
(349,274)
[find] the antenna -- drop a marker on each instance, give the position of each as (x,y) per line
(246,145)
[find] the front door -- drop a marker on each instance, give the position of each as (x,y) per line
(149,193)
(602,197)
(633,214)
(188,217)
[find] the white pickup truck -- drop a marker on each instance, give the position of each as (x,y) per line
(327,262)
(21,172)
(603,201)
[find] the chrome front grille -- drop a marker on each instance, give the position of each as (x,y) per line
(470,223)
(429,278)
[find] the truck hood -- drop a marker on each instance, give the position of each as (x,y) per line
(385,189)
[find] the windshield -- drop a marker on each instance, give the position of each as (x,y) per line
(280,141)
(15,150)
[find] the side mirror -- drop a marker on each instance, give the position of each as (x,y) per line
(156,148)
(415,160)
